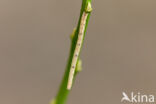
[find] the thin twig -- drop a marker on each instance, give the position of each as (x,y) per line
(63,92)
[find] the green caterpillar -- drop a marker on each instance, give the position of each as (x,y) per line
(78,44)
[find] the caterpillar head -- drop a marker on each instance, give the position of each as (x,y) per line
(88,8)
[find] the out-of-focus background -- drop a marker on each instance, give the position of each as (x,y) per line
(119,52)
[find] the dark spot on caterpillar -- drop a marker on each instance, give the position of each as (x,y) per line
(79,44)
(81,33)
(76,55)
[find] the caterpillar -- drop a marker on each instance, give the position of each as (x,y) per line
(78,45)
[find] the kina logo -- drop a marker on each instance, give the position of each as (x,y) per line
(137,98)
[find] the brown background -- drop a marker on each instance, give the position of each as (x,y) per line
(119,52)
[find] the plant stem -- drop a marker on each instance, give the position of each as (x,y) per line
(62,94)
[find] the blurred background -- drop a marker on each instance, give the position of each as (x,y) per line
(119,52)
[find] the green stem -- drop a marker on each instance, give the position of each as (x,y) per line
(62,94)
